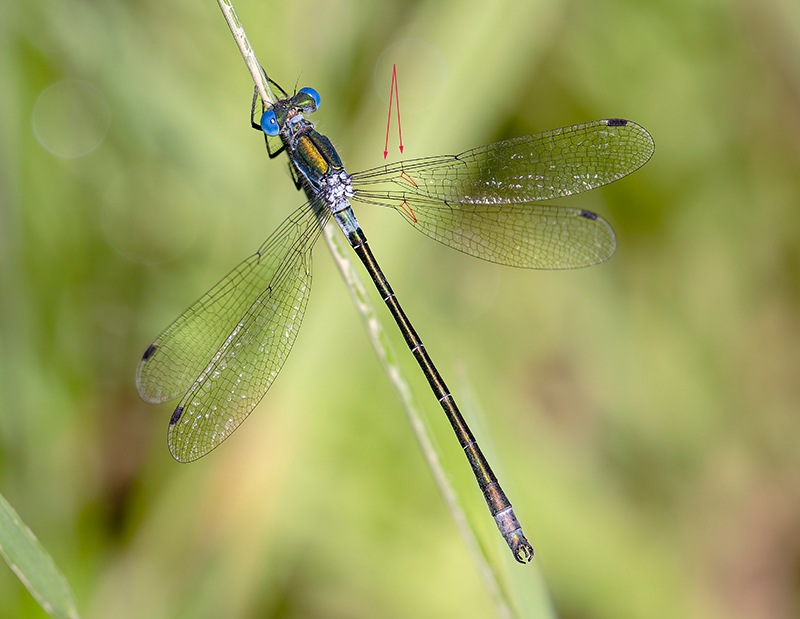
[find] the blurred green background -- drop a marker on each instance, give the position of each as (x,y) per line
(644,415)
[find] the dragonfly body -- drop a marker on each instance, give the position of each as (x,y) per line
(326,183)
(225,351)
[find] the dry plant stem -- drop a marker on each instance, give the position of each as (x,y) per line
(248,54)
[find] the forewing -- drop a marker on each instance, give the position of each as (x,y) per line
(542,166)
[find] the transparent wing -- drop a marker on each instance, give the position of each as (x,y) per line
(542,166)
(482,201)
(531,236)
(225,351)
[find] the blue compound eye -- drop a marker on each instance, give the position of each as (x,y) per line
(269,123)
(313,94)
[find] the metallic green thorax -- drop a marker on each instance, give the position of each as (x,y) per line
(316,163)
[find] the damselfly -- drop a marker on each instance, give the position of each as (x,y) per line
(225,351)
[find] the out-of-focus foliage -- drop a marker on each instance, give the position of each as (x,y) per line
(644,415)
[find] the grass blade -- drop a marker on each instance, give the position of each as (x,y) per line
(28,559)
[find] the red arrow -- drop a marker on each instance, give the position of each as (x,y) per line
(397,98)
(394,93)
